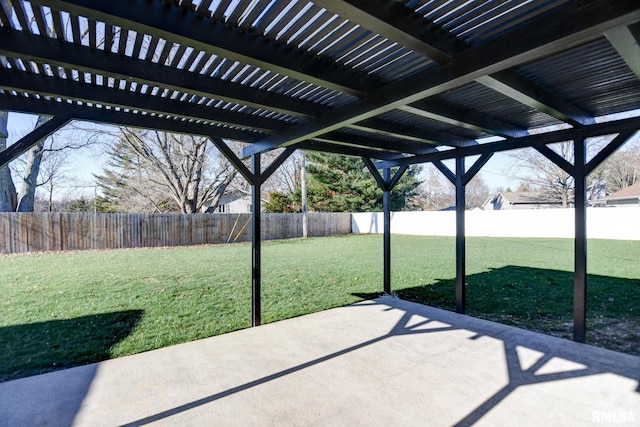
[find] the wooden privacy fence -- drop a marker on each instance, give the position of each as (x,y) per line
(35,232)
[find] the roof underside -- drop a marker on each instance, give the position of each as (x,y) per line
(397,81)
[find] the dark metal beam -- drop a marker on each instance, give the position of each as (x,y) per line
(400,24)
(599,129)
(121,118)
(580,245)
(233,159)
(276,163)
(461,273)
(428,143)
(413,133)
(456,116)
(396,146)
(514,86)
(608,150)
(445,171)
(386,182)
(626,40)
(571,24)
(331,147)
(386,207)
(106,64)
(475,167)
(207,35)
(26,142)
(256,241)
(382,183)
(79,91)
(556,158)
(396,176)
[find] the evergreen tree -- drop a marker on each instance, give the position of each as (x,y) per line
(343,184)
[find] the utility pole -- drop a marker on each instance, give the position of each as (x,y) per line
(303,188)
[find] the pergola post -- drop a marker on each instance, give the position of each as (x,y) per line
(256,251)
(386,182)
(386,207)
(580,244)
(580,169)
(460,237)
(460,179)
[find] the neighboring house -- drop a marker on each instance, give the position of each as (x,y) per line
(505,200)
(230,203)
(629,196)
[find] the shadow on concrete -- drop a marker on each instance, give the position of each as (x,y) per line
(37,348)
(526,356)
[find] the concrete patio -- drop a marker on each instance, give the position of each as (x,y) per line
(382,362)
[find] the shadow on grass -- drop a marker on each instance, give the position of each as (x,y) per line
(36,348)
(542,300)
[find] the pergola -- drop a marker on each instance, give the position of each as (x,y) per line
(396,82)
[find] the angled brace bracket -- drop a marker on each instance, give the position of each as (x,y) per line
(466,176)
(616,143)
(608,150)
(26,142)
(243,169)
(385,184)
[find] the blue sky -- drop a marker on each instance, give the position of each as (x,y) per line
(494,173)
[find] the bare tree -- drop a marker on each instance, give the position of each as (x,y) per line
(169,171)
(534,168)
(18,184)
(8,196)
(622,169)
(476,192)
(436,191)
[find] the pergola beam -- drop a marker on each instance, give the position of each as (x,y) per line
(568,26)
(607,128)
(205,34)
(332,147)
(447,113)
(413,133)
(626,40)
(400,24)
(121,118)
(516,87)
(72,56)
(16,149)
(78,91)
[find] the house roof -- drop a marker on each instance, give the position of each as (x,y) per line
(528,198)
(398,81)
(630,192)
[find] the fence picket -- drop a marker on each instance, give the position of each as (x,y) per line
(52,231)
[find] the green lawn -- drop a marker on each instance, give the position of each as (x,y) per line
(70,308)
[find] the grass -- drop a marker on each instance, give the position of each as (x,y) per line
(71,308)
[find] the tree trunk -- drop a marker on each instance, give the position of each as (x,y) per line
(26,198)
(8,198)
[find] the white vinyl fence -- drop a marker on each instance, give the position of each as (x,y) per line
(602,223)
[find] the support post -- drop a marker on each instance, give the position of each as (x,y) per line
(460,237)
(386,207)
(580,245)
(255,243)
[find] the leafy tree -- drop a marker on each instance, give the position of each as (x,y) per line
(281,202)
